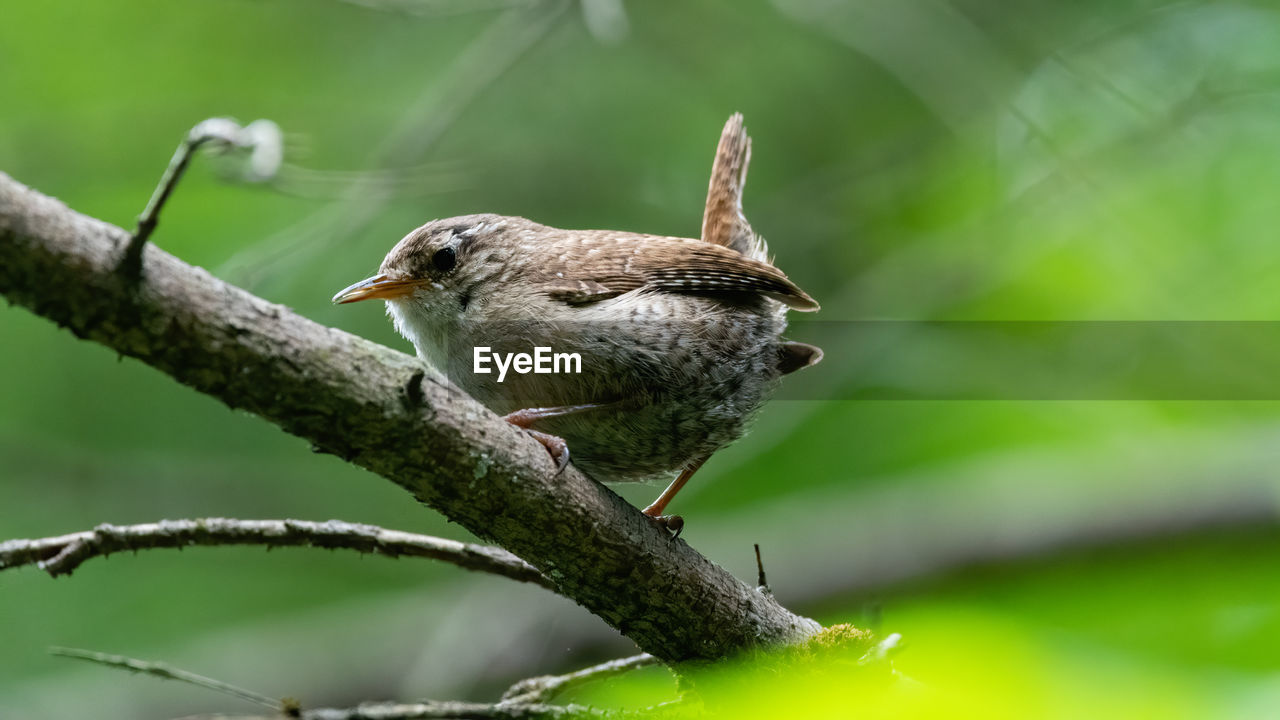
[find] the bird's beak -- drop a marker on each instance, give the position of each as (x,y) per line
(378,286)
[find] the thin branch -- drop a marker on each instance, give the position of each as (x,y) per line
(168,672)
(382,410)
(520,710)
(762,584)
(447,710)
(262,136)
(62,555)
(459,711)
(543,688)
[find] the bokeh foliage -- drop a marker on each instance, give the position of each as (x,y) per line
(963,160)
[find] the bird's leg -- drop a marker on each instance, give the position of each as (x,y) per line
(558,448)
(672,522)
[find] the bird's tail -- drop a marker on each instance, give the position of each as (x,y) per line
(723,222)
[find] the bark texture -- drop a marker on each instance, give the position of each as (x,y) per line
(383,411)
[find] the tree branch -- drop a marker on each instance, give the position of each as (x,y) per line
(544,687)
(167,672)
(451,710)
(62,555)
(447,709)
(384,411)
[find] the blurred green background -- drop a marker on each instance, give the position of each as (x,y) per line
(964,160)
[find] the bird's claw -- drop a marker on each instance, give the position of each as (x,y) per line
(671,523)
(556,447)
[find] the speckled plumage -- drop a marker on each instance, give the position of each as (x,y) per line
(680,339)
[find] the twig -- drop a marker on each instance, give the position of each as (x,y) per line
(262,136)
(447,710)
(167,672)
(426,710)
(761,583)
(460,711)
(62,555)
(544,688)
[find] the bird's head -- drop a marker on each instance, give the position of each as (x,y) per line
(432,276)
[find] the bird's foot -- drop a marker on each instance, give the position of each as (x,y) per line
(671,523)
(555,445)
(674,523)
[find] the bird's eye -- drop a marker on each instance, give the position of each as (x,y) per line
(444,259)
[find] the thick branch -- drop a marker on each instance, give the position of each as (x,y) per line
(382,410)
(62,555)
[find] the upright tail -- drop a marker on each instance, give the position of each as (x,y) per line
(723,222)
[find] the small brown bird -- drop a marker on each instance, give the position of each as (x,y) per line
(678,341)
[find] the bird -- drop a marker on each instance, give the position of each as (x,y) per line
(679,340)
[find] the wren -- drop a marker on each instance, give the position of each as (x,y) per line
(679,339)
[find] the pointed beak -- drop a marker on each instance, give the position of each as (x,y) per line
(378,286)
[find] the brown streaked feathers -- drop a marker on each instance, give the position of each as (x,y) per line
(670,265)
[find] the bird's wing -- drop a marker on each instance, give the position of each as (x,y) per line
(622,262)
